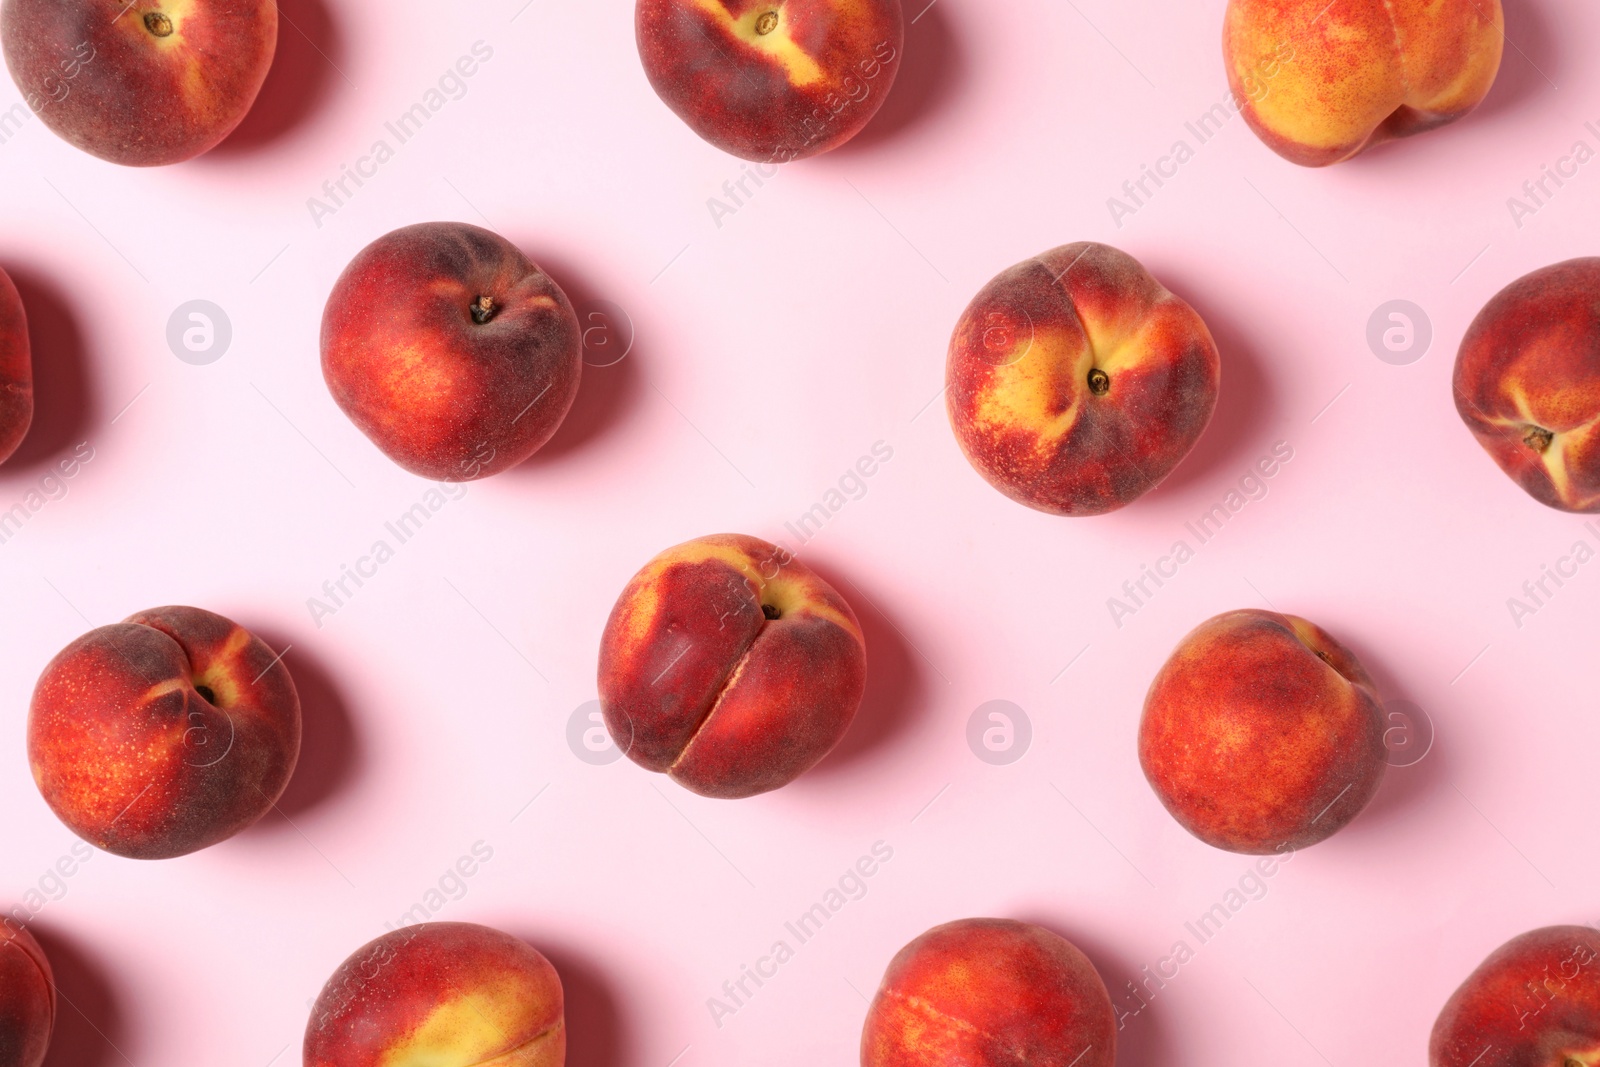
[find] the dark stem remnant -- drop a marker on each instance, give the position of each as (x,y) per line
(767,23)
(206,693)
(1099,382)
(158,24)
(483,309)
(771,612)
(1538,438)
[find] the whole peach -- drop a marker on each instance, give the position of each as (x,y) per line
(27,999)
(1535,1002)
(163,734)
(771,80)
(440,995)
(1075,382)
(1262,733)
(730,666)
(1320,82)
(143,83)
(16,370)
(990,993)
(451,350)
(1527,383)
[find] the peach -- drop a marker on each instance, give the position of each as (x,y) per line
(163,734)
(16,370)
(440,995)
(451,350)
(1527,383)
(1535,1002)
(27,999)
(771,80)
(143,83)
(990,993)
(1262,733)
(729,666)
(1320,82)
(1075,382)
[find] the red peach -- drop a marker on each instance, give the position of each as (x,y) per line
(143,83)
(163,734)
(1076,383)
(1321,82)
(27,999)
(451,350)
(990,993)
(1535,1002)
(772,80)
(440,995)
(1262,733)
(730,666)
(1527,383)
(16,370)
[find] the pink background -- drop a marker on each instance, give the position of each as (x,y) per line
(771,353)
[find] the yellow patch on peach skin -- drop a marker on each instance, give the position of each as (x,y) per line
(1023,394)
(471,1030)
(799,67)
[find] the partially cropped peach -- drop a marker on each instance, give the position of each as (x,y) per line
(163,734)
(16,370)
(440,995)
(730,666)
(1262,733)
(990,993)
(140,82)
(1535,1002)
(1320,82)
(1076,383)
(1527,383)
(771,80)
(27,999)
(451,350)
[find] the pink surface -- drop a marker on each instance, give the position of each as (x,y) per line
(772,351)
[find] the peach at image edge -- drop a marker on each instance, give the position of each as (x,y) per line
(16,370)
(1527,383)
(990,993)
(1321,82)
(771,81)
(1076,382)
(27,999)
(444,994)
(163,734)
(143,83)
(730,666)
(451,350)
(1262,733)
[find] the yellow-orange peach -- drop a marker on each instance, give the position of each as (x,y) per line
(1320,82)
(1075,382)
(443,994)
(730,666)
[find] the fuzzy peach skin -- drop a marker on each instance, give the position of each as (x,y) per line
(1076,383)
(771,80)
(16,370)
(1535,1002)
(27,999)
(729,666)
(1321,82)
(1527,383)
(143,83)
(440,995)
(1262,733)
(990,993)
(451,350)
(163,734)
